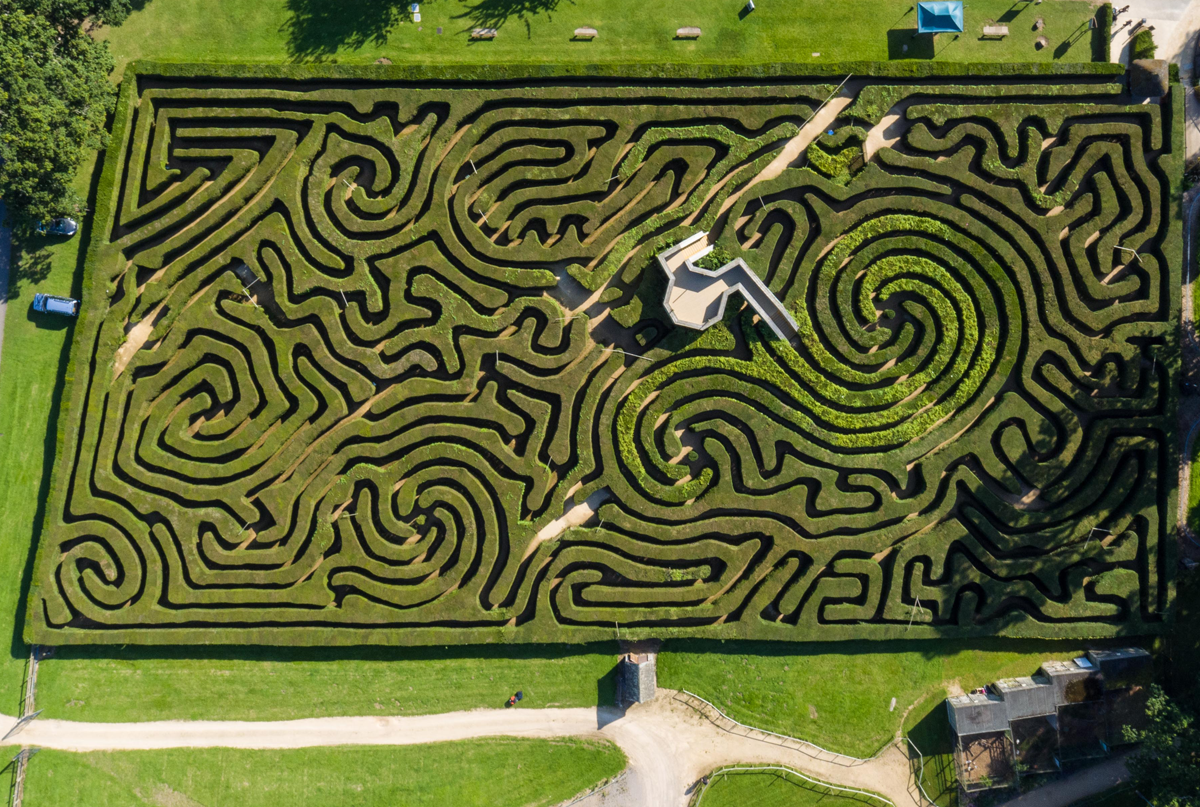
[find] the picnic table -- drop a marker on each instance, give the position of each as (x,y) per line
(586,33)
(688,33)
(995,31)
(483,33)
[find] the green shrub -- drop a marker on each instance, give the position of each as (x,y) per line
(1142,46)
(714,259)
(1102,34)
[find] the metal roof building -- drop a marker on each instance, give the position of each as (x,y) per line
(976,714)
(1073,682)
(1026,697)
(1069,711)
(1128,667)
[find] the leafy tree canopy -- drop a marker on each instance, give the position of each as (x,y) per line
(1165,768)
(55,97)
(72,13)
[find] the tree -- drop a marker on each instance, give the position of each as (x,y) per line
(72,13)
(1165,768)
(55,98)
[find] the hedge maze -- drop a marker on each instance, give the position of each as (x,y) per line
(358,353)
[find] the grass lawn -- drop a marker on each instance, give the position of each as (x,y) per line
(839,695)
(500,772)
(540,31)
(268,684)
(776,790)
(31,378)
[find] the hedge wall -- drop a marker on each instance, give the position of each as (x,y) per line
(354,339)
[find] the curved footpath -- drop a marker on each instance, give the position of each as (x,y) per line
(669,745)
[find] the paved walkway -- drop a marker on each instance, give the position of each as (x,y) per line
(669,745)
(1087,782)
(1174,27)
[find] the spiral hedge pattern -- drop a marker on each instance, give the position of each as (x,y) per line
(349,346)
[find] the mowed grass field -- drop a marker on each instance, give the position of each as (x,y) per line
(32,369)
(776,790)
(475,773)
(541,31)
(267,684)
(839,696)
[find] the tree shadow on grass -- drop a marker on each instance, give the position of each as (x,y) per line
(906,43)
(494,13)
(318,29)
(28,268)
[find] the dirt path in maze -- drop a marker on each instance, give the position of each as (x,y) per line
(669,745)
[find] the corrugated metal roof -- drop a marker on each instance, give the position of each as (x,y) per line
(976,714)
(1073,683)
(1127,667)
(1026,697)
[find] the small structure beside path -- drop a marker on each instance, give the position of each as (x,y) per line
(637,672)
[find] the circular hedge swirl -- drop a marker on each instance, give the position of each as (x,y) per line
(353,353)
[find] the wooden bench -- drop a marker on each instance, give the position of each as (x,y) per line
(995,31)
(688,33)
(586,33)
(483,33)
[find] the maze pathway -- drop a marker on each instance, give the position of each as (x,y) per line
(352,342)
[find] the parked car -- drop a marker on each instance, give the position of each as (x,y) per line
(64,227)
(49,304)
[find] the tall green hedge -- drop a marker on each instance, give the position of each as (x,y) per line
(354,339)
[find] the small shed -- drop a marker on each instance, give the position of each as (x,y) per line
(1081,731)
(638,677)
(1026,697)
(940,17)
(976,714)
(1035,743)
(1075,681)
(1124,668)
(1148,78)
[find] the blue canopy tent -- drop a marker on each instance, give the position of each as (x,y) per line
(940,17)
